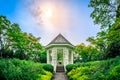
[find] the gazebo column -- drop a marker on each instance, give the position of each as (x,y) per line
(48,57)
(65,51)
(72,57)
(54,58)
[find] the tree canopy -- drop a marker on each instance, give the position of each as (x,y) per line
(87,53)
(16,43)
(106,13)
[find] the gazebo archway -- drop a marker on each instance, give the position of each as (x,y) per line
(59,52)
(60,58)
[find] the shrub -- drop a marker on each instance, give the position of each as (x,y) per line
(48,76)
(115,73)
(48,67)
(83,77)
(15,69)
(69,67)
(97,70)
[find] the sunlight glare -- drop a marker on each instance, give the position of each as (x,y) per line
(52,18)
(48,13)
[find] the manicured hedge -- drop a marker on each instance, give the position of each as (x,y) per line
(69,67)
(15,69)
(48,67)
(97,70)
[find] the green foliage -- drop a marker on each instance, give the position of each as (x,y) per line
(15,69)
(69,67)
(97,70)
(113,37)
(105,12)
(48,67)
(43,57)
(87,53)
(48,76)
(17,44)
(115,73)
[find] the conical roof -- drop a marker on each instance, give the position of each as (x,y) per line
(60,39)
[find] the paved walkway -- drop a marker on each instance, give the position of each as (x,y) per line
(60,76)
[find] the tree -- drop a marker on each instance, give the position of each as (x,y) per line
(113,37)
(43,56)
(15,43)
(5,25)
(87,53)
(105,12)
(100,43)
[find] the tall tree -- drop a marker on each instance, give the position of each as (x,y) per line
(113,38)
(105,12)
(15,43)
(5,26)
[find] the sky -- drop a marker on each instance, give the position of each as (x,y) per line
(48,18)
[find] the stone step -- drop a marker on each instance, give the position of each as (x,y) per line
(60,69)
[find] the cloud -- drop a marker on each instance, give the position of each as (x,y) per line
(58,22)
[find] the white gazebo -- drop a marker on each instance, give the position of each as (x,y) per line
(59,52)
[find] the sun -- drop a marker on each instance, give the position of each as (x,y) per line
(48,13)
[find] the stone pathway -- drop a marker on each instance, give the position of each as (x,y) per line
(60,76)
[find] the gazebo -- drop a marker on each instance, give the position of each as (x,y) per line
(59,52)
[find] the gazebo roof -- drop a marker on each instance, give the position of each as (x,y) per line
(59,41)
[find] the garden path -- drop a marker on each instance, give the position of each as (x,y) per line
(60,76)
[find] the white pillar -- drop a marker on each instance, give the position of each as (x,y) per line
(72,57)
(65,56)
(48,57)
(54,58)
